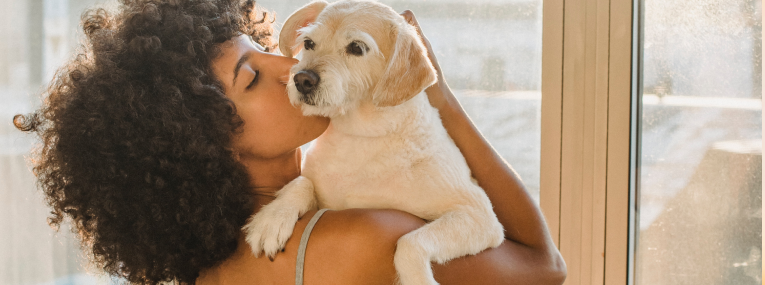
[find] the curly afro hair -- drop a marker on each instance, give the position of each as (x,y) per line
(136,138)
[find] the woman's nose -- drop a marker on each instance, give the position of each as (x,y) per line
(281,66)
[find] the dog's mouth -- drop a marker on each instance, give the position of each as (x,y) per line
(308,100)
(311,100)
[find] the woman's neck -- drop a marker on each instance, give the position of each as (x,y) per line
(268,175)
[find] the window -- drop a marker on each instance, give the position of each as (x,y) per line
(699,207)
(651,140)
(36,37)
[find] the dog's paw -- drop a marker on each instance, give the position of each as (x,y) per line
(269,230)
(412,263)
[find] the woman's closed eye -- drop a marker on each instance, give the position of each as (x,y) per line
(254,80)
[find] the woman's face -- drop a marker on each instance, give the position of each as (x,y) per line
(256,82)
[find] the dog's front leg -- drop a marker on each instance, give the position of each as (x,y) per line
(270,228)
(461,232)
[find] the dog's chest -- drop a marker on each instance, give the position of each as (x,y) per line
(415,172)
(351,172)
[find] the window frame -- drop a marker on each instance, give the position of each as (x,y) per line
(590,73)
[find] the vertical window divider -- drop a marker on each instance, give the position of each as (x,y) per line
(587,68)
(552,104)
(622,157)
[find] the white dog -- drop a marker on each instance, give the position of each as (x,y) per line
(365,67)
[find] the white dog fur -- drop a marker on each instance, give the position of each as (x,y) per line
(385,146)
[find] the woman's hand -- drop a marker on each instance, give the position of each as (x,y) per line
(528,242)
(439,94)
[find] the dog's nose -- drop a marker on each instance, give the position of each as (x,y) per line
(306,81)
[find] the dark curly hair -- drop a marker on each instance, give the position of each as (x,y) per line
(136,138)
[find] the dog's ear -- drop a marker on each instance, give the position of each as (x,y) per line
(301,18)
(409,70)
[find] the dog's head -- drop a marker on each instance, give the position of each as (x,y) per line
(353,51)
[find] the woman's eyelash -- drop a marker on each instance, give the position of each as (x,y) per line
(254,80)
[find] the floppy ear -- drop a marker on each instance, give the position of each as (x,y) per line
(301,18)
(409,70)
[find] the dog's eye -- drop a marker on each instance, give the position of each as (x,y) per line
(309,44)
(356,48)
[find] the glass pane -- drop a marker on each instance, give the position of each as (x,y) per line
(700,178)
(491,55)
(36,37)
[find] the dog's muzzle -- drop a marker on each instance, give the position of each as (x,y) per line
(306,82)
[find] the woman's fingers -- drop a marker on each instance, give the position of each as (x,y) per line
(439,94)
(412,20)
(409,17)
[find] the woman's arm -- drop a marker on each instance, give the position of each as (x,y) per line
(528,239)
(368,238)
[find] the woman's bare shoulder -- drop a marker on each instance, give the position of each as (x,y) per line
(352,246)
(356,246)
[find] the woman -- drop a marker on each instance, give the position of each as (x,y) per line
(173,127)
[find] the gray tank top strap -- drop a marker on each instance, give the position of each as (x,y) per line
(303,244)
